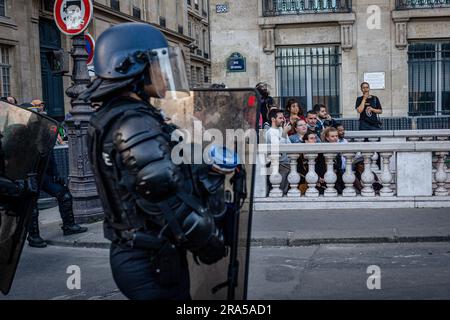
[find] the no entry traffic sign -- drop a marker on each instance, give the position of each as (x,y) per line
(72,16)
(90,46)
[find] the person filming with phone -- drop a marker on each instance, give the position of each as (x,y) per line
(368,107)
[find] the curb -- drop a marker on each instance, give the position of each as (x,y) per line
(284,242)
(310,242)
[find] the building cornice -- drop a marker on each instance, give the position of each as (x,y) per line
(307,19)
(8,23)
(405,15)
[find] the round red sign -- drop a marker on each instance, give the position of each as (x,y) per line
(72,16)
(90,45)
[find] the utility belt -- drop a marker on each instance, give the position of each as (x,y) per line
(139,239)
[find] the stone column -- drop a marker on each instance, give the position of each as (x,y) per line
(367,176)
(348,177)
(386,175)
(311,176)
(293,177)
(330,176)
(441,175)
(275,176)
(87,206)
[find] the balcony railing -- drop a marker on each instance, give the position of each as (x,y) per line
(283,7)
(421,4)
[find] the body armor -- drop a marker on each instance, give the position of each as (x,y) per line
(148,200)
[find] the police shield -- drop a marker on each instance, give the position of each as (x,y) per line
(26,141)
(212,120)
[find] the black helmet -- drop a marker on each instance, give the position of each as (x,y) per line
(263,89)
(132,54)
(117,49)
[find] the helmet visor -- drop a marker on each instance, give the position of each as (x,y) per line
(168,73)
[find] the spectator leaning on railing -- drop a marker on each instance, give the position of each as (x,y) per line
(277,134)
(311,121)
(300,128)
(324,119)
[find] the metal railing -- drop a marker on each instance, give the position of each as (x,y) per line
(421,4)
(283,7)
(403,123)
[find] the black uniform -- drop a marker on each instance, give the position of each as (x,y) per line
(155,210)
(148,200)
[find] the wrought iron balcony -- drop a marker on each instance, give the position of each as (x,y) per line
(421,4)
(283,7)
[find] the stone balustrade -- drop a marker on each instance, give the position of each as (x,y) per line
(415,181)
(399,135)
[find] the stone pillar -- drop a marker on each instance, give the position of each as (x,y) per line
(330,176)
(441,175)
(311,176)
(367,177)
(401,33)
(268,39)
(87,206)
(386,175)
(293,177)
(346,35)
(275,176)
(348,177)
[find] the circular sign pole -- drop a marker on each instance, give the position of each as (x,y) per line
(72,18)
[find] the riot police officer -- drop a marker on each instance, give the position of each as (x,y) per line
(155,210)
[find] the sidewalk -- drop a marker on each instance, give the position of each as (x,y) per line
(305,227)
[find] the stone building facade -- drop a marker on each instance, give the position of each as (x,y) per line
(319,51)
(28,37)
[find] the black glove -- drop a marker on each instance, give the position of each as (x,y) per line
(212,252)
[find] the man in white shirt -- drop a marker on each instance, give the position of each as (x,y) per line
(277,134)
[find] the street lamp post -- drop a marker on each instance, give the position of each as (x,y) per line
(86,202)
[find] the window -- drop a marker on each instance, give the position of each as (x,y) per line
(199,76)
(192,76)
(115,4)
(48,5)
(311,75)
(136,12)
(205,74)
(2,8)
(178,16)
(189,29)
(429,78)
(196,4)
(205,8)
(205,44)
(5,72)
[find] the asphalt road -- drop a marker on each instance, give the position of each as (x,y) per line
(407,271)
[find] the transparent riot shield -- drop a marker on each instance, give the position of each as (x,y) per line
(227,117)
(26,141)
